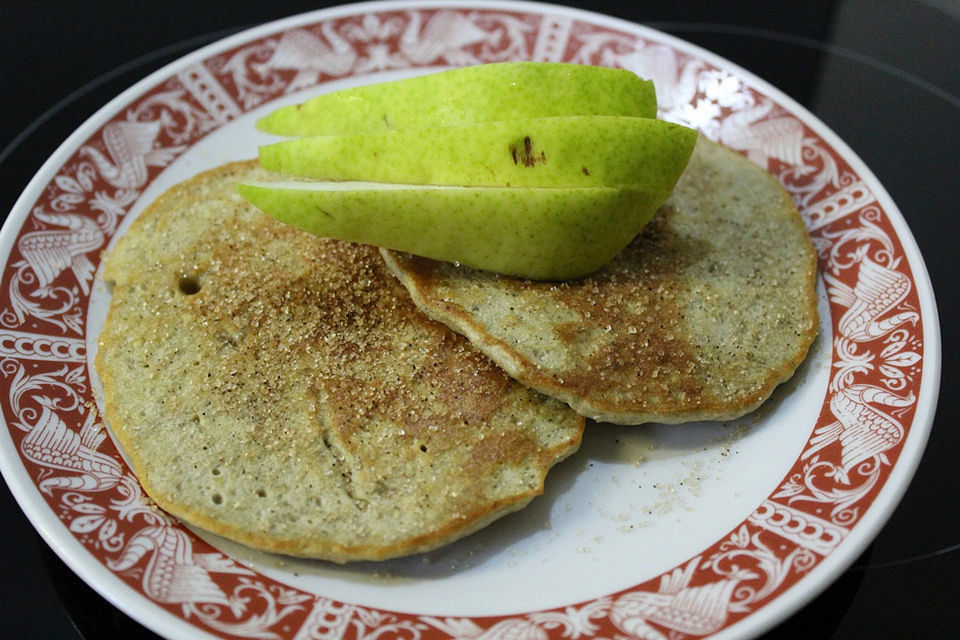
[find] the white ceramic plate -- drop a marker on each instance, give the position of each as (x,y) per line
(711,529)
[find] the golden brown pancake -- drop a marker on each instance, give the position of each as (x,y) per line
(282,390)
(699,318)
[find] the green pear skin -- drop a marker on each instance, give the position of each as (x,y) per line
(481,93)
(543,234)
(568,151)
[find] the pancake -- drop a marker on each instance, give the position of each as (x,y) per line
(283,391)
(699,318)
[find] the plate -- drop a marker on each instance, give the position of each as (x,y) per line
(712,529)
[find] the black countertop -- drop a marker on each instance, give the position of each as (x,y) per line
(884,75)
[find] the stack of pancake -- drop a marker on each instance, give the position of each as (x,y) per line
(313,397)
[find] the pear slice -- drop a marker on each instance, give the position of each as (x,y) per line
(481,93)
(568,151)
(538,233)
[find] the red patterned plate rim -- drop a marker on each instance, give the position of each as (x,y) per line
(867,429)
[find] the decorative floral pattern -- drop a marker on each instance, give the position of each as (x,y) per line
(866,415)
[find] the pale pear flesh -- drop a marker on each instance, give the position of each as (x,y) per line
(481,93)
(568,151)
(537,233)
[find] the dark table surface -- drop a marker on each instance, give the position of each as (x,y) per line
(884,75)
